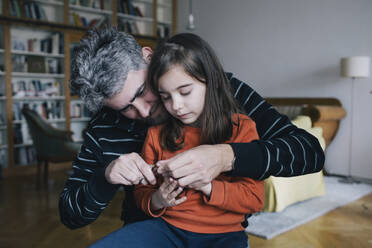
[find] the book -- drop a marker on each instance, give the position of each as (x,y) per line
(32,10)
(19,63)
(22,7)
(13,11)
(27,8)
(43,15)
(2,138)
(123,6)
(21,156)
(76,19)
(36,64)
(25,134)
(138,11)
(52,66)
(101,22)
(55,43)
(3,160)
(37,11)
(61,43)
(18,44)
(2,119)
(131,7)
(18,139)
(19,89)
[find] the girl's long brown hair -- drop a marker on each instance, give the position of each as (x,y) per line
(200,62)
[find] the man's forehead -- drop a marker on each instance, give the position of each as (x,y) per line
(134,80)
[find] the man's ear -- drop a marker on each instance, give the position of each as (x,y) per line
(146,54)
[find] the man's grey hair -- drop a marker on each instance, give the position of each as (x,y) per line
(100,65)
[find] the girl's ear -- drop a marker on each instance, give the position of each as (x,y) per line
(146,54)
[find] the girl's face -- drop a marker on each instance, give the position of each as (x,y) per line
(182,95)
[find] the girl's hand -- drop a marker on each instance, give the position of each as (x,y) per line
(166,195)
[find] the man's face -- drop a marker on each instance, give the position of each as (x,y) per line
(136,101)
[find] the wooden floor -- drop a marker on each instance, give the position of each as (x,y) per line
(29,218)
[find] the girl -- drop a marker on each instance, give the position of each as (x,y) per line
(192,85)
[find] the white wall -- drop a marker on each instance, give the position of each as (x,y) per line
(291,48)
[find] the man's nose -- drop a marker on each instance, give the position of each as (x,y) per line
(143,107)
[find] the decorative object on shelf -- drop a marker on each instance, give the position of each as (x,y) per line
(190,23)
(354,67)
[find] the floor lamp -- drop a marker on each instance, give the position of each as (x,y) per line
(354,67)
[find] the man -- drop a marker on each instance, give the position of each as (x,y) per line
(108,70)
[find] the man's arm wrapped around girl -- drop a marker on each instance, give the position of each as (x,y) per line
(283,149)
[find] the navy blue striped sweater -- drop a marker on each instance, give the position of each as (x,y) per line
(283,150)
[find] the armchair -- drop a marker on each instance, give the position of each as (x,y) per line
(51,144)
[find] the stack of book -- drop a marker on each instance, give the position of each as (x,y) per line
(52,44)
(35,88)
(81,21)
(3,140)
(128,26)
(78,110)
(127,7)
(96,4)
(27,9)
(49,110)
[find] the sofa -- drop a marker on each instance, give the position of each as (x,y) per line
(320,117)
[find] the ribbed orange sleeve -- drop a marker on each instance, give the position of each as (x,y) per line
(238,194)
(241,196)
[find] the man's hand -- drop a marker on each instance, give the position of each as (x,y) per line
(166,195)
(129,169)
(197,167)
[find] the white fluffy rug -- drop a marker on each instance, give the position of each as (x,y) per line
(269,225)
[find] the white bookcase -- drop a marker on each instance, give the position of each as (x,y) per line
(37,82)
(3,111)
(39,77)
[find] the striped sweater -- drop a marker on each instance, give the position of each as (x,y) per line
(282,150)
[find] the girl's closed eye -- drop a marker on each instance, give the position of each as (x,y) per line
(185,93)
(164,97)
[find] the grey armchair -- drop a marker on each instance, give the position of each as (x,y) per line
(51,144)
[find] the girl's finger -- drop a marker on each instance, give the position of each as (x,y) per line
(172,195)
(179,201)
(171,187)
(176,192)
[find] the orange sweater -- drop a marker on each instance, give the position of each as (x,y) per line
(231,197)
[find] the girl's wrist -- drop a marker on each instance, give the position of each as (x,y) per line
(154,203)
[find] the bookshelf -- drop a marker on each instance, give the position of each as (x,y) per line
(3,109)
(36,38)
(37,81)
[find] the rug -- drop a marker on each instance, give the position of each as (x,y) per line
(269,225)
